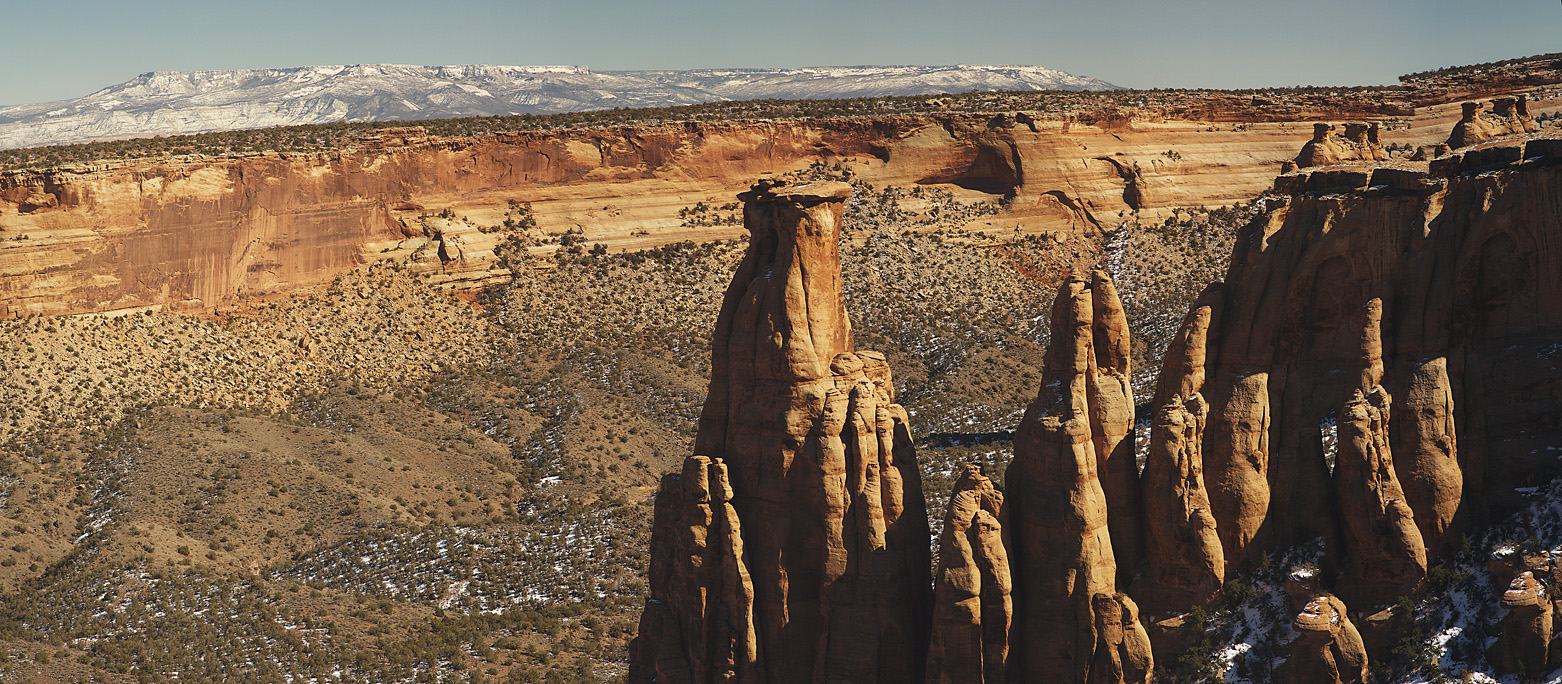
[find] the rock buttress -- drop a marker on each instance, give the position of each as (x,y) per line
(824,477)
(1061,554)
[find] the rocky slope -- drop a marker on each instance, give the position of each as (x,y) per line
(174,103)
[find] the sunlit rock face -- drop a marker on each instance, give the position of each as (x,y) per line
(823,476)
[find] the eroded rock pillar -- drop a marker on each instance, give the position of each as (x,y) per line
(1386,554)
(1329,650)
(1185,560)
(1061,552)
(698,625)
(823,473)
(972,606)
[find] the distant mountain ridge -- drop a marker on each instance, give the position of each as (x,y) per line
(175,102)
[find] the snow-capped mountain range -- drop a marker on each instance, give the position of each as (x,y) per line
(173,102)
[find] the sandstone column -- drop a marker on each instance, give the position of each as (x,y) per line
(1186,563)
(823,474)
(1111,399)
(698,624)
(1236,459)
(1061,551)
(1329,650)
(1426,450)
(1122,645)
(1387,556)
(1525,639)
(972,608)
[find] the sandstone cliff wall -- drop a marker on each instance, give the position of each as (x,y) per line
(1445,285)
(206,232)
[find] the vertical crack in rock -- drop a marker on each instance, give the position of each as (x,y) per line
(1061,553)
(823,474)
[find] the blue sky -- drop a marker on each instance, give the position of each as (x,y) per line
(64,49)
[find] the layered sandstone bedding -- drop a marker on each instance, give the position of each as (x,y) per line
(201,233)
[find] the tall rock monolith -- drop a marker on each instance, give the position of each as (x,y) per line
(823,473)
(1387,555)
(972,606)
(1061,553)
(1426,452)
(1111,401)
(1185,562)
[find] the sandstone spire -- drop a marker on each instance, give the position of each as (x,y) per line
(698,624)
(1524,643)
(1387,556)
(1122,646)
(1329,650)
(1061,551)
(1426,450)
(1236,460)
(1111,400)
(1186,563)
(823,474)
(972,608)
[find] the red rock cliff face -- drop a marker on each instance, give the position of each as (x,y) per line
(203,233)
(1444,288)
